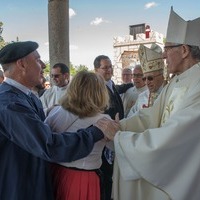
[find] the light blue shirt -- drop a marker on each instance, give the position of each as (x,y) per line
(18,85)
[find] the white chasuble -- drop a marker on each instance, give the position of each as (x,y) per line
(158,148)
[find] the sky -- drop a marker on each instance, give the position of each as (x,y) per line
(93,23)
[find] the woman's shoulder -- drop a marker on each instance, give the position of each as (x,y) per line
(101,115)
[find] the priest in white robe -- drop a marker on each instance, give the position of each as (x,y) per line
(152,65)
(60,75)
(131,95)
(157,149)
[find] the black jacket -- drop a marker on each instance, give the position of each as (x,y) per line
(116,105)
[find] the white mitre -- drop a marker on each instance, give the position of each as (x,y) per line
(150,58)
(183,32)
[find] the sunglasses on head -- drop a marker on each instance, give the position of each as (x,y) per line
(150,78)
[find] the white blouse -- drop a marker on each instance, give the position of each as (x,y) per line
(61,120)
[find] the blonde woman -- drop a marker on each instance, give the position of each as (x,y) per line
(82,105)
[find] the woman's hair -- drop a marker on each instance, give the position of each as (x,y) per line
(86,95)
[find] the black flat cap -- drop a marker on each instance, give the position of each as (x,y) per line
(16,50)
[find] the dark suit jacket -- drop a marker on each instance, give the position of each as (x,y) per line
(116,105)
(123,87)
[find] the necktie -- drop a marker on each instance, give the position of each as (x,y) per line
(109,84)
(109,155)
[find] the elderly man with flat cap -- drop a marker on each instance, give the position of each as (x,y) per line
(27,144)
(157,149)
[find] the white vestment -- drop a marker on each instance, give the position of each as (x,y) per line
(160,145)
(130,96)
(51,96)
(142,101)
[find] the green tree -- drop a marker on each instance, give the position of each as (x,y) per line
(2,42)
(47,68)
(81,68)
(72,69)
(78,68)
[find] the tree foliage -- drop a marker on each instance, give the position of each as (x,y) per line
(2,42)
(47,68)
(75,69)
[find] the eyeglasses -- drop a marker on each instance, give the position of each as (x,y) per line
(167,48)
(137,75)
(106,68)
(55,75)
(150,78)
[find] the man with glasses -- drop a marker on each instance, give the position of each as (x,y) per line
(152,67)
(157,149)
(127,75)
(130,96)
(103,66)
(60,75)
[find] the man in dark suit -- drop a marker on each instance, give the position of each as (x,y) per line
(103,66)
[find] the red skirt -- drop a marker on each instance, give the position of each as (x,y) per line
(72,184)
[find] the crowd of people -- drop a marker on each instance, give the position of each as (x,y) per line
(90,139)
